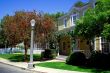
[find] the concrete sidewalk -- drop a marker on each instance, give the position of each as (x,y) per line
(24,65)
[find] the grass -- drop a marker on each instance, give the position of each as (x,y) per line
(19,57)
(62,65)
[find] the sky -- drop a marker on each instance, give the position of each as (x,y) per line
(46,6)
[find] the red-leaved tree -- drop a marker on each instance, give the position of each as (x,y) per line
(18,28)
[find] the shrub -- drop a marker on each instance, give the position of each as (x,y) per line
(20,57)
(48,54)
(98,60)
(76,58)
(108,60)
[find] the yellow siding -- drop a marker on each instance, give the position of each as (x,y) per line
(61,27)
(83,45)
(68,22)
(67,49)
(61,24)
(97,43)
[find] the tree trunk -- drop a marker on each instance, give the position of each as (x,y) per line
(25,54)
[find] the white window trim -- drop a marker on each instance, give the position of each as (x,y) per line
(71,19)
(65,19)
(100,43)
(100,46)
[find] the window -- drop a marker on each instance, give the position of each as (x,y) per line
(73,19)
(105,45)
(65,23)
(93,5)
(84,12)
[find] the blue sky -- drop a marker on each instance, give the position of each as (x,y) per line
(48,6)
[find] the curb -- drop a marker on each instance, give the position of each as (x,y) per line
(22,68)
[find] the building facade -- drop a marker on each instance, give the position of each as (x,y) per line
(66,24)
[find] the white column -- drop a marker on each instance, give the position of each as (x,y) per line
(100,44)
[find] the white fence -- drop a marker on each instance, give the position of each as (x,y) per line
(16,50)
(9,50)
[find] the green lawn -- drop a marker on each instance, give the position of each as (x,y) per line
(62,65)
(19,57)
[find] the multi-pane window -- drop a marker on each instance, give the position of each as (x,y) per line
(73,19)
(105,45)
(65,23)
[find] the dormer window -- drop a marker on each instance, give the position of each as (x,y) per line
(73,19)
(65,23)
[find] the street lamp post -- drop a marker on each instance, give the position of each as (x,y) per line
(30,65)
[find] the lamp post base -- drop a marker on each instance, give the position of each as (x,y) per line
(30,65)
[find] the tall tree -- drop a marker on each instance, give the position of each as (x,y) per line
(47,26)
(17,28)
(2,35)
(95,21)
(10,29)
(52,35)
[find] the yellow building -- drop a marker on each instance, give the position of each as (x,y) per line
(66,24)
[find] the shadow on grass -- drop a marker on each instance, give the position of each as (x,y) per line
(16,58)
(96,70)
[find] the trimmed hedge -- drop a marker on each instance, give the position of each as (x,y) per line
(20,57)
(77,59)
(48,54)
(97,60)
